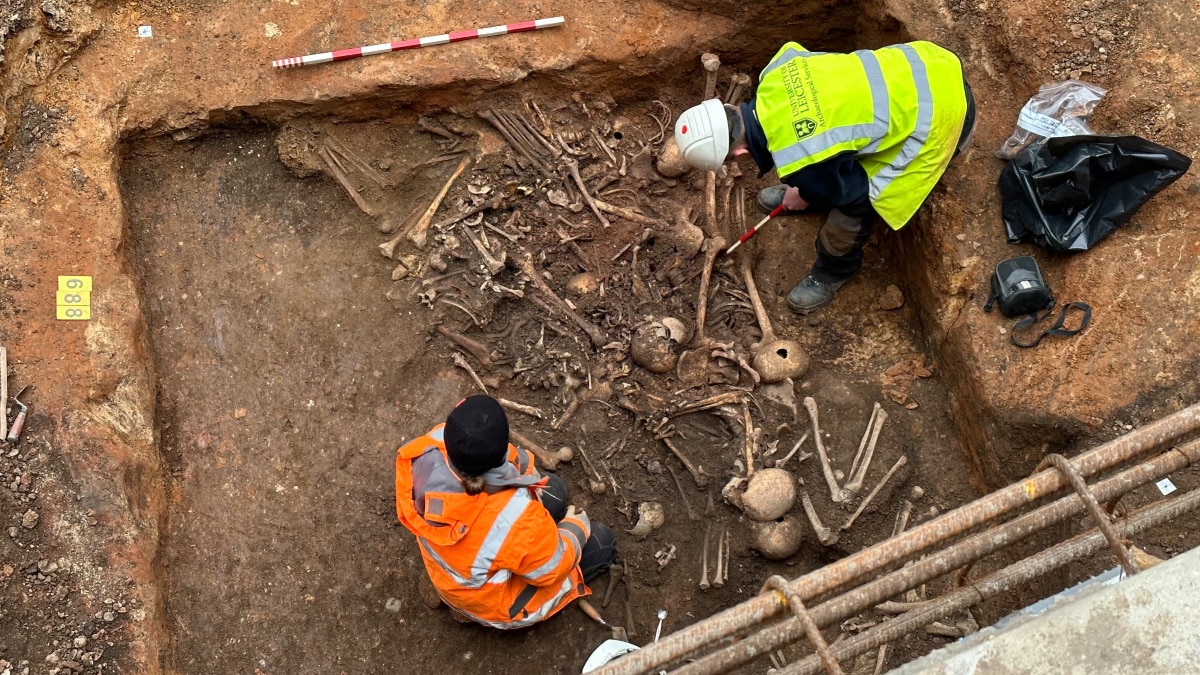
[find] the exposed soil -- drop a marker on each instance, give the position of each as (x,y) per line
(209,461)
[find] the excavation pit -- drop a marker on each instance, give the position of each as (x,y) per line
(290,366)
(228,421)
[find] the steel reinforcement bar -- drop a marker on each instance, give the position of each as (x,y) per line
(942,562)
(851,569)
(1005,580)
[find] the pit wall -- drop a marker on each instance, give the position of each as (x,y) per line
(1137,360)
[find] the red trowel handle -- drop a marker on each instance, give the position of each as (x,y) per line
(14,434)
(754,230)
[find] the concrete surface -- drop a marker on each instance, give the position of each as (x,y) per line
(1144,624)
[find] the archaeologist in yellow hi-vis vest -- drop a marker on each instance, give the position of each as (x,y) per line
(855,135)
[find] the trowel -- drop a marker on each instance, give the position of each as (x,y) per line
(618,632)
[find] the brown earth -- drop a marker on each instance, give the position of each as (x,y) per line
(209,457)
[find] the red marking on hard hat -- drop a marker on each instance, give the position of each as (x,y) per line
(683,130)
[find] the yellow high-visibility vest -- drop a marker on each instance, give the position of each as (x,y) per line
(900,109)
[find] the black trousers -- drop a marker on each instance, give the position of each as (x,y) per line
(841,239)
(600,550)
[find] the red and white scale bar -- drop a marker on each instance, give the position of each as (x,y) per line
(416,43)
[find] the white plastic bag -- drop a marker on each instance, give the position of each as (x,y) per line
(1058,109)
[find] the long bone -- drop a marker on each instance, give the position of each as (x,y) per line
(712,247)
(711,63)
(722,559)
(886,477)
(826,536)
(835,492)
(492,264)
(420,233)
(858,476)
(597,336)
(573,167)
(866,435)
(698,474)
(737,88)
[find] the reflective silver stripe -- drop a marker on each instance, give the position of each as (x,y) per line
(500,528)
(458,578)
(822,142)
(541,613)
(549,566)
(830,138)
(916,140)
(880,98)
(490,548)
(439,433)
(783,58)
(522,460)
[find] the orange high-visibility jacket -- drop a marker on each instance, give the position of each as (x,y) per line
(497,556)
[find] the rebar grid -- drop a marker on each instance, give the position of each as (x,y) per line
(752,613)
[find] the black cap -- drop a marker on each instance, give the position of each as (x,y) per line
(477,435)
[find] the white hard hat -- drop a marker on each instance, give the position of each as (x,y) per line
(702,134)
(606,653)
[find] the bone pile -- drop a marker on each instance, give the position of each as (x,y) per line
(574,269)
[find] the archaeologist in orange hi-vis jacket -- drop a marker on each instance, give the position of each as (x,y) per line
(499,542)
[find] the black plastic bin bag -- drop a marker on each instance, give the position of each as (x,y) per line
(1066,194)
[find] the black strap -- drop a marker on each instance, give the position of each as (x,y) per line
(991,301)
(1057,329)
(522,599)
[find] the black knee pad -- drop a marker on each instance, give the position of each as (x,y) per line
(554,496)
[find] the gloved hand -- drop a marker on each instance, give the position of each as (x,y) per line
(573,512)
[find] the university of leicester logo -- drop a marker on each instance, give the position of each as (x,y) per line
(804,128)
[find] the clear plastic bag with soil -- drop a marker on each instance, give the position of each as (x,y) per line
(1066,194)
(1058,109)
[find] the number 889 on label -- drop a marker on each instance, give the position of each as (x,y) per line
(69,313)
